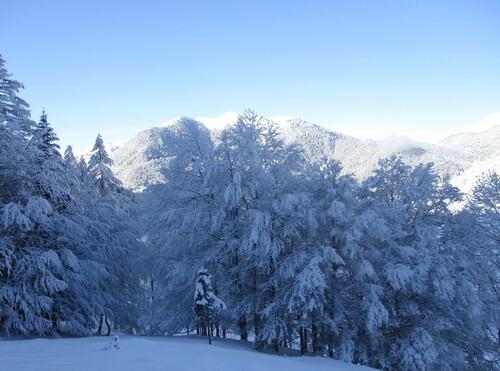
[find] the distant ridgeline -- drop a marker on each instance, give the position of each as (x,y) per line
(464,157)
(257,231)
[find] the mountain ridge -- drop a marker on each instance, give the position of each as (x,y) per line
(141,161)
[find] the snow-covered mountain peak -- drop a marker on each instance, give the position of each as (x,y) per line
(181,120)
(170,122)
(282,119)
(220,122)
(463,156)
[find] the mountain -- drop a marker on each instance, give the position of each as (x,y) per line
(481,151)
(476,146)
(359,156)
(143,160)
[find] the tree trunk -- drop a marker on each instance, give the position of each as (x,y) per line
(303,340)
(209,330)
(54,323)
(256,321)
(107,324)
(315,339)
(331,353)
(99,329)
(242,323)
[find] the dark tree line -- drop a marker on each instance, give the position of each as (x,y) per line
(67,240)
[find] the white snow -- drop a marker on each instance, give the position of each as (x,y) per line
(485,124)
(170,122)
(282,119)
(152,353)
(219,123)
(111,148)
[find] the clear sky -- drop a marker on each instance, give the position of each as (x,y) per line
(422,68)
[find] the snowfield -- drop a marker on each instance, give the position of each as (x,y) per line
(152,353)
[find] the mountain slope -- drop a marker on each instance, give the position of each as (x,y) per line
(480,150)
(360,157)
(143,160)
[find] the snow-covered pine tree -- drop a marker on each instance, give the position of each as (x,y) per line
(69,156)
(15,129)
(45,283)
(206,304)
(99,166)
(112,208)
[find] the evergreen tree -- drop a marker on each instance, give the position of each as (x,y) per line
(99,166)
(206,304)
(45,137)
(47,286)
(21,308)
(111,208)
(69,156)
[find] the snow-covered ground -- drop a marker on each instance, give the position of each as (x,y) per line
(150,353)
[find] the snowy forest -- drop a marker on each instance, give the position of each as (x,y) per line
(247,239)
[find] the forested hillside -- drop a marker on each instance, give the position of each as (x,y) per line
(242,232)
(140,161)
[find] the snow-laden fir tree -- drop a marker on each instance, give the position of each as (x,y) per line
(99,166)
(69,156)
(47,288)
(111,208)
(15,129)
(206,304)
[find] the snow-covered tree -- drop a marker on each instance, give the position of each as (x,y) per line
(47,286)
(206,304)
(69,156)
(477,228)
(28,276)
(409,295)
(259,240)
(336,209)
(111,208)
(99,166)
(177,221)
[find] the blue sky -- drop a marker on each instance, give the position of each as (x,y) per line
(371,68)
